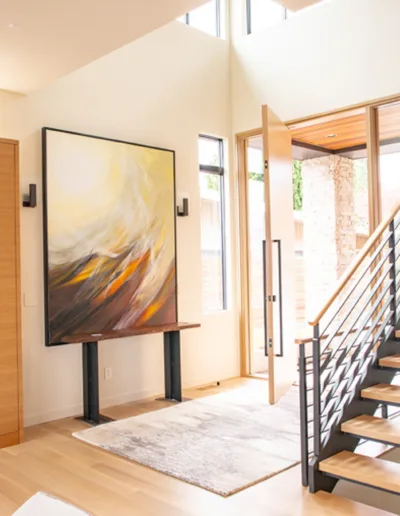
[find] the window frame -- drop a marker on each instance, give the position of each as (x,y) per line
(248,16)
(217,18)
(219,171)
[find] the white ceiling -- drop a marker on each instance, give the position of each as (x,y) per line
(41,40)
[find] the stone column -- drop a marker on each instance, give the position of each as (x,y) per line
(329,225)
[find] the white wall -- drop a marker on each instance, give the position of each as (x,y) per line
(164,90)
(6,98)
(333,54)
(161,90)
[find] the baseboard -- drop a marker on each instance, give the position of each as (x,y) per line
(76,410)
(52,415)
(127,397)
(109,401)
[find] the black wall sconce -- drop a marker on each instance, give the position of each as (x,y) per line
(30,199)
(185,211)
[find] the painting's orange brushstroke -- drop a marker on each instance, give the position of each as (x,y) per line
(113,286)
(151,310)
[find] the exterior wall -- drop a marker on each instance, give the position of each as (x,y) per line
(346,240)
(329,225)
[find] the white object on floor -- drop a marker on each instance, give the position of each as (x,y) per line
(42,504)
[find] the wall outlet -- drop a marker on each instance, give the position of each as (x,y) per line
(107,373)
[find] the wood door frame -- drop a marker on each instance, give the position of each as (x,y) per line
(371,103)
(245,280)
(374,201)
(19,293)
(373,163)
(17,436)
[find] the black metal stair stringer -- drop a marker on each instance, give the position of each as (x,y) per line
(339,440)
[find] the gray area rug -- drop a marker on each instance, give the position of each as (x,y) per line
(222,443)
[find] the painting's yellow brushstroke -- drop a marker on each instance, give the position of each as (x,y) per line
(87,271)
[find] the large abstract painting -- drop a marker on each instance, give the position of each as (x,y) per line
(109,235)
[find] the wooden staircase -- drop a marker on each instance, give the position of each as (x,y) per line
(348,395)
(369,471)
(389,394)
(374,428)
(364,470)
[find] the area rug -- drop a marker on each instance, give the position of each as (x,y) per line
(42,504)
(222,443)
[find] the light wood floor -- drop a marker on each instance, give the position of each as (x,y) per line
(103,484)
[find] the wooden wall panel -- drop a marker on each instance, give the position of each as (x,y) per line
(9,293)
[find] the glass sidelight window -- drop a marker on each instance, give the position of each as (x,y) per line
(211,166)
(389,157)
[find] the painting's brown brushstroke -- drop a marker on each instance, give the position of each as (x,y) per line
(111,235)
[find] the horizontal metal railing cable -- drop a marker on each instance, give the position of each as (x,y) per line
(342,375)
(361,276)
(362,312)
(375,305)
(374,291)
(365,340)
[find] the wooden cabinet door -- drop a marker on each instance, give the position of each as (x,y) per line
(9,295)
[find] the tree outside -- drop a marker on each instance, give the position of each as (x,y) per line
(297,184)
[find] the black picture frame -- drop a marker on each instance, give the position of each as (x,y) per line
(44,132)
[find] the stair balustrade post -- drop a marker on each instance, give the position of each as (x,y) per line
(392,274)
(303,415)
(317,390)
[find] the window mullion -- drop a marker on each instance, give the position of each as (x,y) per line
(248,16)
(218,18)
(223,241)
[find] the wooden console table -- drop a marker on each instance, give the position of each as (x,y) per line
(90,363)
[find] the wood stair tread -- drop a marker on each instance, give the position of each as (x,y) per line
(392,361)
(323,503)
(382,392)
(365,470)
(376,428)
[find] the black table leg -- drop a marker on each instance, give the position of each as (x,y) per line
(172,366)
(90,367)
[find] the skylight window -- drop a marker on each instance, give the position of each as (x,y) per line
(205,18)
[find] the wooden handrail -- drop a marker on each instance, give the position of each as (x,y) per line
(369,244)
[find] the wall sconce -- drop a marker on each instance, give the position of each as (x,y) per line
(185,210)
(30,199)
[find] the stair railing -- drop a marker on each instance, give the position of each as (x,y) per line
(360,314)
